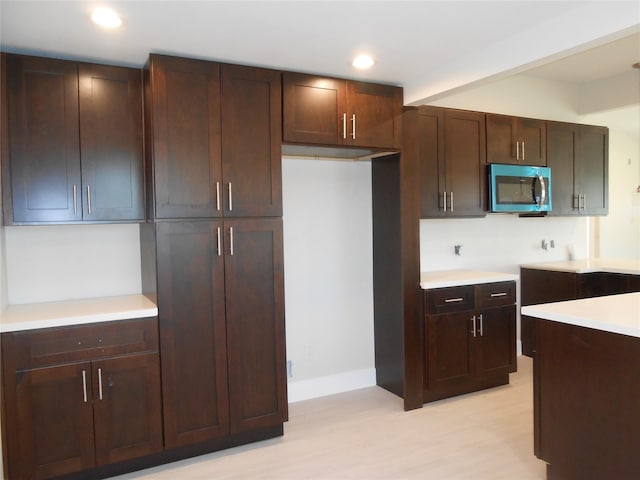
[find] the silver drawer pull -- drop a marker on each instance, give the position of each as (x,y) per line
(453,300)
(501,294)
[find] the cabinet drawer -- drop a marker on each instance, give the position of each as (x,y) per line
(450,299)
(51,346)
(495,294)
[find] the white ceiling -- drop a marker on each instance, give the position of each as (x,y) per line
(428,47)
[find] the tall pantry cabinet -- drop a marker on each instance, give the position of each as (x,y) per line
(213,253)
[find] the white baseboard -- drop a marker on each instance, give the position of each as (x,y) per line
(331,384)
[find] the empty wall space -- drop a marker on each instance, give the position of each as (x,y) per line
(65,262)
(328,275)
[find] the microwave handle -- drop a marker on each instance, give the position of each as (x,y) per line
(543,190)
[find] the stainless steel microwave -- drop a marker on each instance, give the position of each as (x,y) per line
(519,188)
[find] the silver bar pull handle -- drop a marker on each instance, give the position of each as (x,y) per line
(344,125)
(451,203)
(523,150)
(517,150)
(501,294)
(219,251)
(218,196)
(230,197)
(444,201)
(75,200)
(353,126)
(481,325)
(473,326)
(584,201)
(89,198)
(100,383)
(231,240)
(84,385)
(453,300)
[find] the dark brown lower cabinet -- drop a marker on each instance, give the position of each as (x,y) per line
(586,395)
(221,303)
(469,338)
(546,286)
(71,405)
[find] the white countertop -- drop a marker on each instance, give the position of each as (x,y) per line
(76,312)
(613,313)
(455,278)
(608,265)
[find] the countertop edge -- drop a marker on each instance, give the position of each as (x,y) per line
(459,278)
(561,312)
(76,312)
(626,267)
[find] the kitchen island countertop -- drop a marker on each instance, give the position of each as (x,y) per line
(613,313)
(605,265)
(76,312)
(456,278)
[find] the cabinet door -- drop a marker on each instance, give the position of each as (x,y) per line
(592,175)
(251,141)
(449,369)
(374,115)
(495,341)
(516,140)
(44,146)
(532,136)
(465,162)
(127,407)
(501,134)
(254,281)
(424,138)
(192,332)
(314,109)
(185,124)
(111,142)
(55,432)
(562,142)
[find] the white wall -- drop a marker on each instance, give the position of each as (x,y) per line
(500,242)
(63,262)
(328,274)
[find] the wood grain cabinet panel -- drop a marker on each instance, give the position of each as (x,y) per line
(111,142)
(221,303)
(330,111)
(75,135)
(450,147)
(254,287)
(44,140)
(516,140)
(470,339)
(214,140)
(68,410)
(251,138)
(578,157)
(192,331)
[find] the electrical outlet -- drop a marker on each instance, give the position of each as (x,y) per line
(289,368)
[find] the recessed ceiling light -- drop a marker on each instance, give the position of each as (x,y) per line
(362,62)
(105,17)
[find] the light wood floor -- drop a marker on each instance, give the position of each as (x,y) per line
(365,434)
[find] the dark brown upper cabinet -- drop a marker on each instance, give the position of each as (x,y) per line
(334,112)
(579,158)
(450,147)
(75,142)
(214,140)
(516,140)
